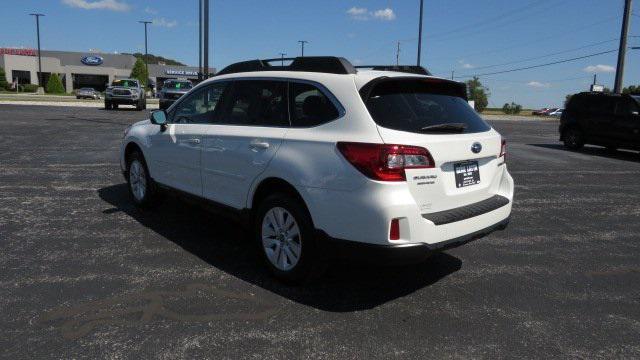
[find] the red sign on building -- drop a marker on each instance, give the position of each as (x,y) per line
(20,52)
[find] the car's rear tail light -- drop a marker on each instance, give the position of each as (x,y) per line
(385,162)
(394,231)
(503,148)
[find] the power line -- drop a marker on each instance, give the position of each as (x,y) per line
(538,40)
(488,20)
(508,20)
(547,55)
(540,65)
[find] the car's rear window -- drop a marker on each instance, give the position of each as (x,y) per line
(419,106)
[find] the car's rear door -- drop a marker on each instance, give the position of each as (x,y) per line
(598,116)
(246,136)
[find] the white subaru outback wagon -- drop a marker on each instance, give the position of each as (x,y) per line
(323,159)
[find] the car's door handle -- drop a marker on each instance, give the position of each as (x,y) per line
(259,145)
(194,141)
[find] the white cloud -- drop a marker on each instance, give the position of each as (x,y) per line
(537,84)
(151,11)
(599,69)
(465,65)
(357,13)
(162,22)
(384,14)
(114,5)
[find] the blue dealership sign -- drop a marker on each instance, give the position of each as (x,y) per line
(92,60)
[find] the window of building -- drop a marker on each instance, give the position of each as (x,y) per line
(24,77)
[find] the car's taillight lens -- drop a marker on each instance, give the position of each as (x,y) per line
(385,162)
(503,148)
(394,230)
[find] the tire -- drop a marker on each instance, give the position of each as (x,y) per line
(114,106)
(142,189)
(107,105)
(139,106)
(298,239)
(573,138)
(78,97)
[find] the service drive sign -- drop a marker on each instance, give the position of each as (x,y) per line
(181,72)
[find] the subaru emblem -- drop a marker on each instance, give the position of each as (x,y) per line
(476,147)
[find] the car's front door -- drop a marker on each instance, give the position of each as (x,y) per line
(246,136)
(177,150)
(627,123)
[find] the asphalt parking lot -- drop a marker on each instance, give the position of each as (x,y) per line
(85,274)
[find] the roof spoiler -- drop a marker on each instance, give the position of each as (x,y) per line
(411,69)
(321,64)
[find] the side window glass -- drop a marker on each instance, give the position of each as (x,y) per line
(309,106)
(199,107)
(621,107)
(257,103)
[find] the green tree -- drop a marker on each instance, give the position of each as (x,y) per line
(512,108)
(54,85)
(478,93)
(3,79)
(633,89)
(139,72)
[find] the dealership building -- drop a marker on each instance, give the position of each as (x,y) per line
(78,69)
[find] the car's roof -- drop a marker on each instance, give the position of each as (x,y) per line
(360,78)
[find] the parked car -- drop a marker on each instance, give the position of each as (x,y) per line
(609,120)
(395,168)
(556,113)
(172,90)
(540,112)
(87,93)
(125,92)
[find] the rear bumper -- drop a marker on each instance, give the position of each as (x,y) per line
(397,254)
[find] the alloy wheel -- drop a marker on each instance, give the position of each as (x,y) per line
(137,180)
(281,238)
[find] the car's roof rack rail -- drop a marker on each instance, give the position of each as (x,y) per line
(412,69)
(321,64)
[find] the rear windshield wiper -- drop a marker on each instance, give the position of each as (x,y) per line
(445,127)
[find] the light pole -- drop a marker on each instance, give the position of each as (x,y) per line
(37,16)
(420,33)
(302,42)
(145,48)
(205,38)
(282,58)
(199,40)
(623,47)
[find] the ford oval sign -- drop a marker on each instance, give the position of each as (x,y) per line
(92,60)
(476,147)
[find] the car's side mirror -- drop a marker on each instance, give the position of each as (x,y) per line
(159,117)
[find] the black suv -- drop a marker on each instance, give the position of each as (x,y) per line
(610,120)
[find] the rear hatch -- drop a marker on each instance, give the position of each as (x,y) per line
(434,114)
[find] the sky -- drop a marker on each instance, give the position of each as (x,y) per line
(468,37)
